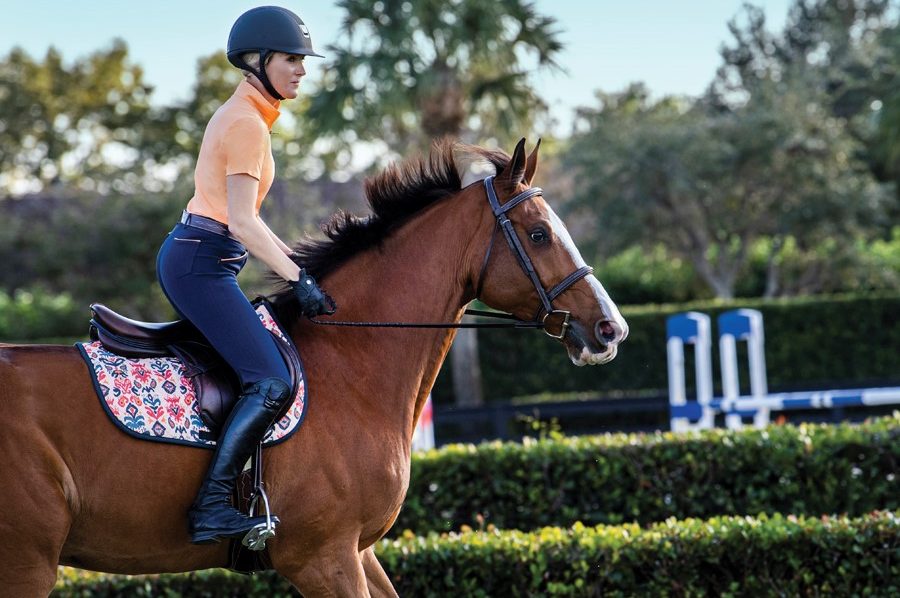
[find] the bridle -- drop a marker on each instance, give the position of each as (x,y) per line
(504,224)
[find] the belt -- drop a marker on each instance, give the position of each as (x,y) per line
(207,224)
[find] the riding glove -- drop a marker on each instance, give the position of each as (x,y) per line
(313,300)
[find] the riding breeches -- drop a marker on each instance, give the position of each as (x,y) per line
(197,270)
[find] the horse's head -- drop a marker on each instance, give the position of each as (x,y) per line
(533,269)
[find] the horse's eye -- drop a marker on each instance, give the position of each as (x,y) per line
(538,236)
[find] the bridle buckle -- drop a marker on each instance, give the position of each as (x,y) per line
(564,325)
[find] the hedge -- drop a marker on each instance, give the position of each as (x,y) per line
(807,469)
(811,342)
(723,556)
(36,314)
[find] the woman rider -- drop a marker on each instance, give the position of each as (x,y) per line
(200,259)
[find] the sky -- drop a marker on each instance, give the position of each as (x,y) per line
(673,47)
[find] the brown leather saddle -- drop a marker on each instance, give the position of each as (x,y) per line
(215,383)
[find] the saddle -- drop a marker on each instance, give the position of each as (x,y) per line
(215,384)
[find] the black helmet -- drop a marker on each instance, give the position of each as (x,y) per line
(268,29)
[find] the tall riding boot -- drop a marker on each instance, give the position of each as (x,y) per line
(212,517)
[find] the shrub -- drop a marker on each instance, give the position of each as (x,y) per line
(808,469)
(723,556)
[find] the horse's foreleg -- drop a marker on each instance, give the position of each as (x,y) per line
(33,528)
(377,580)
(329,573)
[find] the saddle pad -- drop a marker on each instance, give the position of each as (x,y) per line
(150,398)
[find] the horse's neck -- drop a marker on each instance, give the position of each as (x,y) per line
(420,274)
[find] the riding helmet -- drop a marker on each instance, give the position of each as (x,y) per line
(268,29)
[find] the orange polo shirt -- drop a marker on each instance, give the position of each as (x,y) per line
(236,141)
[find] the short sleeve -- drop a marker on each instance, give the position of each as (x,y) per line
(246,146)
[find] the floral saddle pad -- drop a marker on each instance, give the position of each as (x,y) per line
(152,399)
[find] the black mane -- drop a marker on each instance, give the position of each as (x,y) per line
(395,195)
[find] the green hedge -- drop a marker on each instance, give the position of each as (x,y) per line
(808,469)
(726,556)
(31,315)
(810,343)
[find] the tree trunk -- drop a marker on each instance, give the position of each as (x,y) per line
(772,269)
(466,368)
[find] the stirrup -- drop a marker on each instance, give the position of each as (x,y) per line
(257,537)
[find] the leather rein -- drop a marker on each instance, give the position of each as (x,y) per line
(503,224)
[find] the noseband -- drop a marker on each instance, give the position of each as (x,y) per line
(546,297)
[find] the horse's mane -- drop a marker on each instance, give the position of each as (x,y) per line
(395,195)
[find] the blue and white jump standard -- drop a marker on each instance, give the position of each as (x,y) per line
(693,328)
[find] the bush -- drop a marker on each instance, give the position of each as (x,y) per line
(723,556)
(30,315)
(808,469)
(726,556)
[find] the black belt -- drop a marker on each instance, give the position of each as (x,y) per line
(207,224)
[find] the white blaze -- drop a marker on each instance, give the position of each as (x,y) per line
(609,308)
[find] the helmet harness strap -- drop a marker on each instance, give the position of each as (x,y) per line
(263,77)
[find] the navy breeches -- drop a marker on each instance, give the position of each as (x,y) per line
(198,270)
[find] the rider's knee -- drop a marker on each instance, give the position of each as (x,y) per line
(275,390)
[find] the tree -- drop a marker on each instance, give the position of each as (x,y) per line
(849,50)
(708,183)
(75,127)
(414,71)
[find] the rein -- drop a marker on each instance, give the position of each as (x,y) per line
(546,297)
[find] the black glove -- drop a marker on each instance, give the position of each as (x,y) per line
(313,300)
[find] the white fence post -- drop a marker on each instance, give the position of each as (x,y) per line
(744,325)
(691,328)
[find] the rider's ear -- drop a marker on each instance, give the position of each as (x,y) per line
(515,172)
(531,164)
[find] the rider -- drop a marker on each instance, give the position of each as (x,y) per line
(199,261)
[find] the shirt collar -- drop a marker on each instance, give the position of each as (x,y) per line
(267,111)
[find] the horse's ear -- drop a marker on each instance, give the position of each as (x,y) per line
(515,172)
(531,163)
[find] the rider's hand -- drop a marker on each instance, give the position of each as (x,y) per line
(313,300)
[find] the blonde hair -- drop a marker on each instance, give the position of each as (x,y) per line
(252,60)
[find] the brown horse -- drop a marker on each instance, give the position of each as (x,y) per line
(77,491)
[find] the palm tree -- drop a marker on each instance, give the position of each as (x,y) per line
(411,71)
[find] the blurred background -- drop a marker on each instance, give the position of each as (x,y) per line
(704,156)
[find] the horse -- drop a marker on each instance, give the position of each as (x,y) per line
(78,492)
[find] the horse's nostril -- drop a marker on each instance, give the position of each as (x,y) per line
(606,332)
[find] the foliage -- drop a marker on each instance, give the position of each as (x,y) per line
(804,470)
(788,146)
(89,247)
(811,342)
(413,71)
(637,276)
(78,126)
(30,315)
(722,556)
(848,51)
(707,183)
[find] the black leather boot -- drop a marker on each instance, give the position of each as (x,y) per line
(212,517)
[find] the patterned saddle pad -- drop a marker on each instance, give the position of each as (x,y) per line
(151,398)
